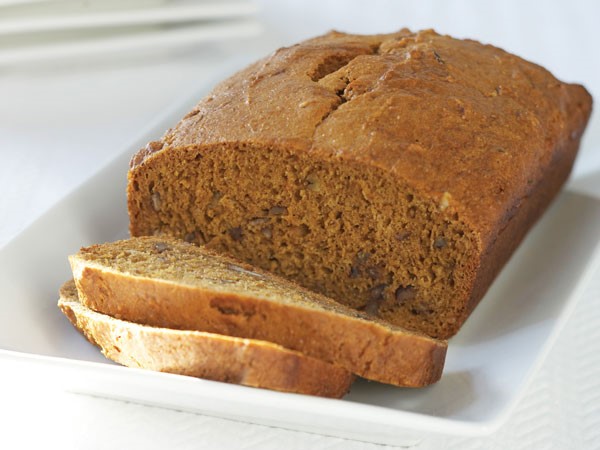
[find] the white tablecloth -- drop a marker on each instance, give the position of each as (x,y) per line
(60,122)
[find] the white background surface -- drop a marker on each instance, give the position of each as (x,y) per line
(60,122)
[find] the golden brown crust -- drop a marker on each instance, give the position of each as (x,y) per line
(204,355)
(486,135)
(129,280)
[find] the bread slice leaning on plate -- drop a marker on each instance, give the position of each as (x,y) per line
(211,356)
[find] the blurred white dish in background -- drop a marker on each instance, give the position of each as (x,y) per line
(54,29)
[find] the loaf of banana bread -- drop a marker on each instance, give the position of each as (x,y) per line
(394,173)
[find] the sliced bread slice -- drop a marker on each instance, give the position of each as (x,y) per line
(170,283)
(205,355)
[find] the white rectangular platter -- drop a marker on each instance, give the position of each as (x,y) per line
(488,366)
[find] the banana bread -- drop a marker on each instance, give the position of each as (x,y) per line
(205,355)
(174,284)
(393,173)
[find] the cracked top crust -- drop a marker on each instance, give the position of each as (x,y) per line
(425,107)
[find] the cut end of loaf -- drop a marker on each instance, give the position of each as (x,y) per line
(349,232)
